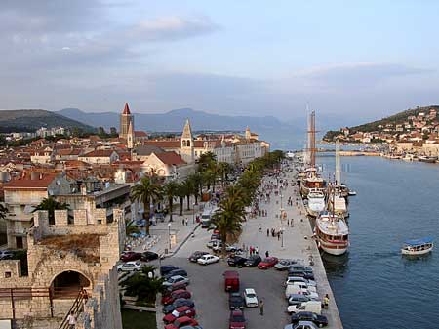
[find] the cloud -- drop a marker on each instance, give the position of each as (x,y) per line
(336,77)
(171,28)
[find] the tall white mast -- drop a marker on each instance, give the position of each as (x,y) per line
(337,163)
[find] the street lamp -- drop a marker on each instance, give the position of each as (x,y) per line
(169,234)
(282,233)
(193,213)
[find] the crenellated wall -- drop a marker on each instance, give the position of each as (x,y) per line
(46,263)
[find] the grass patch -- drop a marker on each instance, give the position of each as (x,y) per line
(132,319)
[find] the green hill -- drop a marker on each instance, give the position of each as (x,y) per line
(398,118)
(33,119)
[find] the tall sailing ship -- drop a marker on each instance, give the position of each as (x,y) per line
(312,178)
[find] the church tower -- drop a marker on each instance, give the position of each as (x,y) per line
(126,119)
(187,143)
(248,134)
(130,137)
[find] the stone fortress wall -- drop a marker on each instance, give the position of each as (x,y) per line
(33,295)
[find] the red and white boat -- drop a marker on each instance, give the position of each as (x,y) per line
(332,234)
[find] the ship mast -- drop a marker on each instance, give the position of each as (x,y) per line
(337,163)
(312,139)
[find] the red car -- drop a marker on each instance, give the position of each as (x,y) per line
(178,312)
(130,256)
(180,293)
(268,262)
(237,319)
(182,321)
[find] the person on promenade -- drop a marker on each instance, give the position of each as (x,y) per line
(266,254)
(260,228)
(257,250)
(261,307)
(326,301)
(288,223)
(71,320)
(268,232)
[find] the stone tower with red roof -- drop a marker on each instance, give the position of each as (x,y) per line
(187,144)
(126,120)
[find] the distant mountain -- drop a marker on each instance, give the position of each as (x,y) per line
(174,120)
(30,120)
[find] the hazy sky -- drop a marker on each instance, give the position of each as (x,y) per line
(358,60)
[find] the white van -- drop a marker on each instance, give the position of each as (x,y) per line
(296,289)
(206,216)
(310,306)
(302,285)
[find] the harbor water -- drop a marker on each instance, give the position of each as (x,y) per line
(374,286)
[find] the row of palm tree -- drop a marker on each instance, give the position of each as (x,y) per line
(232,206)
(151,190)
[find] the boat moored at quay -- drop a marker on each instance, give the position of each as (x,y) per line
(331,233)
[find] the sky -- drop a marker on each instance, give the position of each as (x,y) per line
(354,61)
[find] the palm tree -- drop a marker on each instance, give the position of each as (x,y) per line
(187,189)
(50,205)
(224,168)
(144,286)
(170,191)
(196,180)
(228,219)
(206,160)
(147,192)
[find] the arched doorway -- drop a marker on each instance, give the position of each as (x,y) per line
(67,285)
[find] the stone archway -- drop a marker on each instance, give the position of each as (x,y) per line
(67,284)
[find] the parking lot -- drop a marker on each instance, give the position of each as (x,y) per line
(211,301)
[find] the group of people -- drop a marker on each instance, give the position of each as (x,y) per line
(274,233)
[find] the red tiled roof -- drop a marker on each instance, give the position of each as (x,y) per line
(164,144)
(140,134)
(41,182)
(126,110)
(98,153)
(170,158)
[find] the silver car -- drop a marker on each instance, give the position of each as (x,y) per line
(302,325)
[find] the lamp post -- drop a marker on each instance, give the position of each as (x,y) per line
(169,235)
(193,213)
(282,233)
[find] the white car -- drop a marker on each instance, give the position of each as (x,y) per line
(208,259)
(213,243)
(176,280)
(129,266)
(292,279)
(251,298)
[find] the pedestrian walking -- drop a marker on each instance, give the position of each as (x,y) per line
(261,307)
(182,221)
(257,250)
(288,223)
(278,235)
(186,221)
(268,232)
(326,301)
(266,254)
(71,320)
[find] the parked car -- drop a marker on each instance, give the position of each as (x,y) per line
(236,300)
(213,243)
(301,325)
(208,259)
(178,303)
(130,256)
(182,321)
(251,298)
(236,261)
(319,320)
(268,262)
(176,271)
(176,280)
(166,269)
(297,299)
(233,248)
(173,296)
(303,274)
(253,261)
(129,266)
(284,264)
(215,236)
(180,311)
(148,256)
(196,255)
(291,279)
(237,319)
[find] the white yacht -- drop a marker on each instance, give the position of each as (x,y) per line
(332,234)
(316,202)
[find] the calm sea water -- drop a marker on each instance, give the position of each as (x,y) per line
(375,287)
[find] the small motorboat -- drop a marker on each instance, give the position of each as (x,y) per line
(352,192)
(417,247)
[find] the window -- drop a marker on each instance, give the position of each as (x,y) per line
(8,274)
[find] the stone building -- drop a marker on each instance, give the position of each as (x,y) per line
(61,260)
(126,120)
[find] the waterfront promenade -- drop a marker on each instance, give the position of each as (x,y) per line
(296,242)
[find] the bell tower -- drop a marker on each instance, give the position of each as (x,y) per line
(126,119)
(187,143)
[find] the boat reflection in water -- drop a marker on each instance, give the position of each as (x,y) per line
(335,265)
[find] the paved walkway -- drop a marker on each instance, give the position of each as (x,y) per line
(295,243)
